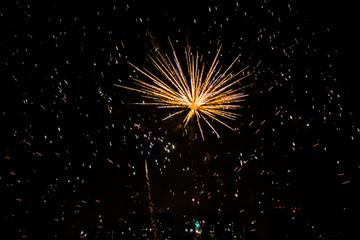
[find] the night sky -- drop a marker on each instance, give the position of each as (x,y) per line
(73,145)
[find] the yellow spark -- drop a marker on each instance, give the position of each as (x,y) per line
(204,95)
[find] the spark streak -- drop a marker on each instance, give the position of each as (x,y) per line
(151,204)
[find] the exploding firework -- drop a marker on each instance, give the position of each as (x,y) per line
(209,95)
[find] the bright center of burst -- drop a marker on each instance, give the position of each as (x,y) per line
(194,106)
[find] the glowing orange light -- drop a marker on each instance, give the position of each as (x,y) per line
(205,95)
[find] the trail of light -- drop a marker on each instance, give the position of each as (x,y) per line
(151,204)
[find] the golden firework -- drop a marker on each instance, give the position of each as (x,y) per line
(204,94)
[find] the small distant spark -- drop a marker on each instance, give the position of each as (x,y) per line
(202,94)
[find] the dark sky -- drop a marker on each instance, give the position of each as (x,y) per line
(74,145)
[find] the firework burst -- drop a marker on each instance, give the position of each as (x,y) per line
(204,94)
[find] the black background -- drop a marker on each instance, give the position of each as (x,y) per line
(315,184)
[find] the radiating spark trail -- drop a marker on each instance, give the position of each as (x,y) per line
(205,95)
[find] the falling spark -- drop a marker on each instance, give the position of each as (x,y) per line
(205,95)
